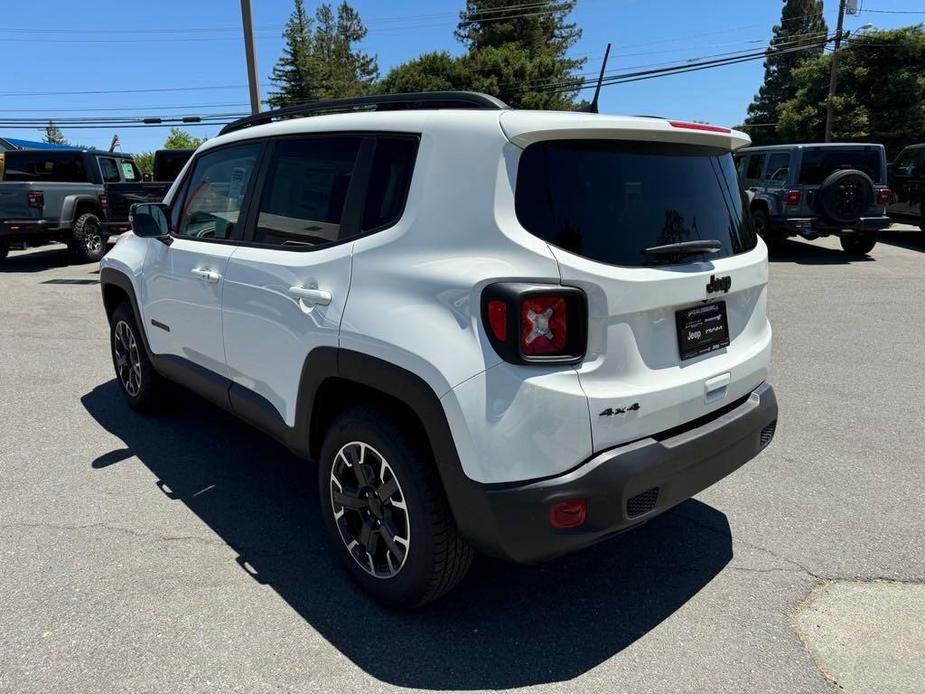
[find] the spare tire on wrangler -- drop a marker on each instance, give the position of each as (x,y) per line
(845,195)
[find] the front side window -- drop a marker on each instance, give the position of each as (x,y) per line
(305,191)
(216,191)
(109,170)
(910,161)
(610,200)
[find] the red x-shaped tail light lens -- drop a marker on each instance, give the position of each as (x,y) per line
(543,325)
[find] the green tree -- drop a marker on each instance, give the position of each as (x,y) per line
(321,59)
(145,161)
(293,75)
(53,135)
(341,68)
(429,72)
(801,24)
(881,92)
(521,56)
(180,139)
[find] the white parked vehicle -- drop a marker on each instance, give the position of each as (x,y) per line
(494,330)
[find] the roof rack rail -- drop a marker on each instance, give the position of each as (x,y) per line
(380,102)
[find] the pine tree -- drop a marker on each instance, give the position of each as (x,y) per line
(520,55)
(53,135)
(293,75)
(341,69)
(802,24)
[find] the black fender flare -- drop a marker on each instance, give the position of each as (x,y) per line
(70,204)
(110,277)
(466,498)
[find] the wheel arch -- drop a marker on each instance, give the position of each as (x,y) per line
(75,205)
(117,288)
(336,378)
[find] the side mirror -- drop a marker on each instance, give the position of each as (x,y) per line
(149,220)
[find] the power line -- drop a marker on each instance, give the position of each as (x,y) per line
(895,11)
(131,91)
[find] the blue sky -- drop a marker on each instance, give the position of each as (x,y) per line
(109,46)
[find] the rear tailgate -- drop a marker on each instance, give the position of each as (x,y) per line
(14,203)
(602,195)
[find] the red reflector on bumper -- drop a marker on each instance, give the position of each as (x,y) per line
(568,514)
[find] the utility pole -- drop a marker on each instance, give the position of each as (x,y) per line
(252,55)
(833,77)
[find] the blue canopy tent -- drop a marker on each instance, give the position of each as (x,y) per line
(15,143)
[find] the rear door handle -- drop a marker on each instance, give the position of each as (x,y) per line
(209,276)
(317,297)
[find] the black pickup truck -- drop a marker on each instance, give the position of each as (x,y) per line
(77,197)
(168,163)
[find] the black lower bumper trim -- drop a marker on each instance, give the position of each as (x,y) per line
(623,486)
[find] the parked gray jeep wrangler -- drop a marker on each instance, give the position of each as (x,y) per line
(816,190)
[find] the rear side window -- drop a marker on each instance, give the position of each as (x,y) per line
(779,166)
(38,166)
(610,200)
(306,187)
(755,166)
(109,170)
(820,162)
(389,181)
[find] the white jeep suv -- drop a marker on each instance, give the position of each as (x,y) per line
(503,331)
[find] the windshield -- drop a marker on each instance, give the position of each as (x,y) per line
(610,200)
(819,163)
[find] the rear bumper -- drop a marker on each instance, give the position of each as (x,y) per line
(26,228)
(814,226)
(623,487)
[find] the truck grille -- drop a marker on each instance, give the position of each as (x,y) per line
(641,503)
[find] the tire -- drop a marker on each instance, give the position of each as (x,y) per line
(88,240)
(762,224)
(845,195)
(858,244)
(141,385)
(417,553)
(4,248)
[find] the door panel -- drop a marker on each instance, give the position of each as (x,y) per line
(285,292)
(278,305)
(184,279)
(182,304)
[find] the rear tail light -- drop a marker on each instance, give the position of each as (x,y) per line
(104,200)
(884,196)
(530,323)
(35,198)
(568,514)
(792,198)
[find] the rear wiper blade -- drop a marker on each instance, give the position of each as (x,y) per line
(685,248)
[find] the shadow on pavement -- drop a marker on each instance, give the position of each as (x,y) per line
(505,626)
(911,239)
(807,253)
(52,256)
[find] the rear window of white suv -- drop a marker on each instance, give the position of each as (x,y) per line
(609,200)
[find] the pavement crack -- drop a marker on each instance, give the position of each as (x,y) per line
(157,537)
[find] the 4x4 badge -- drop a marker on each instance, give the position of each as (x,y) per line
(719,284)
(611,411)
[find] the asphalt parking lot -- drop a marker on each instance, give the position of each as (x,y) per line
(184,553)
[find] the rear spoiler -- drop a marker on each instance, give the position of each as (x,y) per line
(523,128)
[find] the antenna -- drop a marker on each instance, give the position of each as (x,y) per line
(597,90)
